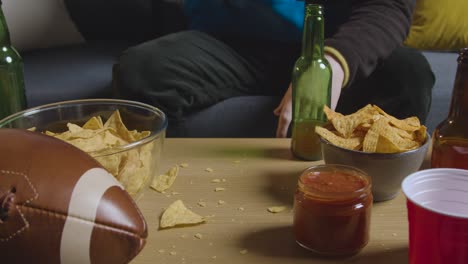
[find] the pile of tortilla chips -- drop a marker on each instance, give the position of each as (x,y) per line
(370,129)
(131,167)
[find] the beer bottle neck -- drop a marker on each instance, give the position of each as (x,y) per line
(312,39)
(459,104)
(4,33)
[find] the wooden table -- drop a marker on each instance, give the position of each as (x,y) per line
(258,173)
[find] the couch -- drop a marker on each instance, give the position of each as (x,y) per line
(59,65)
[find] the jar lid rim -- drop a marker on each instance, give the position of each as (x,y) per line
(335,195)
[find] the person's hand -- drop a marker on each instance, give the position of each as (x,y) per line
(284,109)
(284,113)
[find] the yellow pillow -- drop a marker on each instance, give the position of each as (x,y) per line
(439,25)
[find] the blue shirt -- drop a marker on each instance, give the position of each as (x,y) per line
(265,19)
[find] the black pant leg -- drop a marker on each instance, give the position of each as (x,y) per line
(184,72)
(401,85)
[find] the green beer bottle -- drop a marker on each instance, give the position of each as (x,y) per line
(12,96)
(311,87)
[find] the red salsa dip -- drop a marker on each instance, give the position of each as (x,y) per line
(333,182)
(332,209)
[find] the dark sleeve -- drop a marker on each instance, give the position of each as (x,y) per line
(374,29)
(128,20)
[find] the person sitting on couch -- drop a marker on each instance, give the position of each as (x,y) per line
(248,47)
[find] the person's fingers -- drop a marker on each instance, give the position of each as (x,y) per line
(285,116)
(277,110)
(284,120)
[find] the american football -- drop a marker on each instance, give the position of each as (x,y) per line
(58,205)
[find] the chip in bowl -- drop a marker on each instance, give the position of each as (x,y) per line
(372,130)
(131,168)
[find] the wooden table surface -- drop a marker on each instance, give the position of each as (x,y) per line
(258,173)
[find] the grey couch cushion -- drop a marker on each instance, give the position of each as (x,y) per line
(444,66)
(67,73)
(243,116)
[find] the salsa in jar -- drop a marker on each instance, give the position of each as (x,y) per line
(332,209)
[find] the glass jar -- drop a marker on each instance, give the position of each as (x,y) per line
(332,209)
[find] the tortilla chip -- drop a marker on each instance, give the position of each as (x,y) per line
(408,124)
(115,122)
(370,129)
(383,128)
(94,123)
(131,167)
(330,113)
(165,181)
(348,143)
(177,214)
(276,209)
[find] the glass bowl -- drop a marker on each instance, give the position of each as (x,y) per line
(134,164)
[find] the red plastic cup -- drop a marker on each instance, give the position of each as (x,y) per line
(437,203)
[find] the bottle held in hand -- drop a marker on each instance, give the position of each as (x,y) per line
(311,87)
